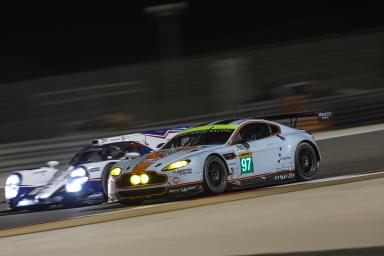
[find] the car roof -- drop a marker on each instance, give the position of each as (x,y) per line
(237,122)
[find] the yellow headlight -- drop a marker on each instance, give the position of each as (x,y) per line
(144,178)
(176,165)
(116,171)
(135,179)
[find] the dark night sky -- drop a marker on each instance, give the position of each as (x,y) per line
(43,40)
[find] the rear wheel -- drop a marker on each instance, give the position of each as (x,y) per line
(215,175)
(306,162)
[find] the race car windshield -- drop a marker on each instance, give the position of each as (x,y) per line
(195,138)
(96,154)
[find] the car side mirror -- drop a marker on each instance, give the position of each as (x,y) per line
(131,155)
(53,164)
(246,145)
(159,146)
(243,145)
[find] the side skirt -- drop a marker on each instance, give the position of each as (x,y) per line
(267,179)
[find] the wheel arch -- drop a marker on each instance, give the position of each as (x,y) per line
(222,158)
(314,146)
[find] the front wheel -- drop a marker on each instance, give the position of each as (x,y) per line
(215,175)
(306,162)
(105,178)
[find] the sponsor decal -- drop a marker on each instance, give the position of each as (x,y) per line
(285,158)
(243,147)
(182,172)
(246,162)
(210,128)
(176,180)
(284,176)
(325,115)
(94,169)
(185,189)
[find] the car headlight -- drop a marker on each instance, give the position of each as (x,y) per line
(177,165)
(116,171)
(76,180)
(137,179)
(78,172)
(144,178)
(12,186)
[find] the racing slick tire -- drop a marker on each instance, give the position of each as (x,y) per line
(306,162)
(215,175)
(104,179)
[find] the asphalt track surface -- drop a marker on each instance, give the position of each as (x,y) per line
(341,156)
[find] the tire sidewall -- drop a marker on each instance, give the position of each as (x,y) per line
(104,179)
(300,175)
(210,188)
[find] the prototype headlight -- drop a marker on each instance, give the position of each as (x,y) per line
(12,186)
(76,180)
(78,172)
(177,165)
(116,171)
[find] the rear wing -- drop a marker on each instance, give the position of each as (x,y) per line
(293,117)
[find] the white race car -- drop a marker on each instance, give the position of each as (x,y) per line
(85,179)
(222,155)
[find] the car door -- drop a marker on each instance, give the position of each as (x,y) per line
(257,150)
(265,154)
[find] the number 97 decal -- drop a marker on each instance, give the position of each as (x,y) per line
(246,163)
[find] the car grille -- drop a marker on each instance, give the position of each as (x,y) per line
(142,192)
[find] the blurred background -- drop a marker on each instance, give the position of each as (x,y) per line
(98,69)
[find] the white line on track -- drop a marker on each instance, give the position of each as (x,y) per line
(343,177)
(348,132)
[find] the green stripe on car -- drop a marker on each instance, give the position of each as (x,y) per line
(210,127)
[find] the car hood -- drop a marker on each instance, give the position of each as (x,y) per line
(158,160)
(57,181)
